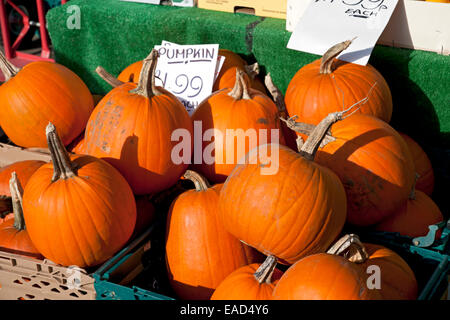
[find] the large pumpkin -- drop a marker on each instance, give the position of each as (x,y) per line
(413,217)
(374,164)
(239,116)
(132,128)
(328,85)
(200,253)
(283,203)
(13,234)
(79,210)
(38,93)
(422,164)
(252,282)
(368,272)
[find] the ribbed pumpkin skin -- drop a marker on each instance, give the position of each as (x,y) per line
(398,281)
(131,73)
(133,134)
(374,164)
(40,93)
(242,285)
(422,164)
(222,112)
(324,277)
(413,217)
(312,96)
(16,241)
(200,253)
(297,211)
(82,220)
(24,170)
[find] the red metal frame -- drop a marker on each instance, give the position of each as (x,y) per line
(11,52)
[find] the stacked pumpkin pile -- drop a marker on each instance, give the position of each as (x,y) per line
(250,235)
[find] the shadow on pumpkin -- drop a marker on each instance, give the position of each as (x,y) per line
(368,194)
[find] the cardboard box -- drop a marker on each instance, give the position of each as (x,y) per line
(415,25)
(262,8)
(10,154)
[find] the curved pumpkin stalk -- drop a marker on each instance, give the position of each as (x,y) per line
(265,270)
(146,86)
(108,77)
(200,182)
(351,248)
(9,70)
(16,197)
(240,89)
(326,65)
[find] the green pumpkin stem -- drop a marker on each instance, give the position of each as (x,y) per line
(16,197)
(265,270)
(351,248)
(240,89)
(200,182)
(108,77)
(63,168)
(146,86)
(326,65)
(9,70)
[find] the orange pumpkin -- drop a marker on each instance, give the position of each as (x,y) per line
(200,253)
(283,203)
(13,235)
(422,164)
(79,210)
(24,170)
(413,217)
(252,282)
(237,111)
(330,276)
(132,129)
(38,93)
(374,164)
(441,1)
(328,85)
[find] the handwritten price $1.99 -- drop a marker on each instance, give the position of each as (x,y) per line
(182,85)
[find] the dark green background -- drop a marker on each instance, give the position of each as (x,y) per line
(114,34)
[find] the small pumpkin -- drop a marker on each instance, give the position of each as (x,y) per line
(235,110)
(326,85)
(342,274)
(40,92)
(79,209)
(200,253)
(24,170)
(413,217)
(372,161)
(422,164)
(13,235)
(132,127)
(283,203)
(252,282)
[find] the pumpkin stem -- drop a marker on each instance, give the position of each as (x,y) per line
(16,197)
(108,77)
(265,270)
(240,89)
(276,94)
(200,182)
(9,70)
(326,65)
(63,168)
(146,86)
(252,70)
(351,248)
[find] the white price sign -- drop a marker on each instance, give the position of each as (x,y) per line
(328,22)
(188,71)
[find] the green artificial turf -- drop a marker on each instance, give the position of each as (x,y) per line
(114,34)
